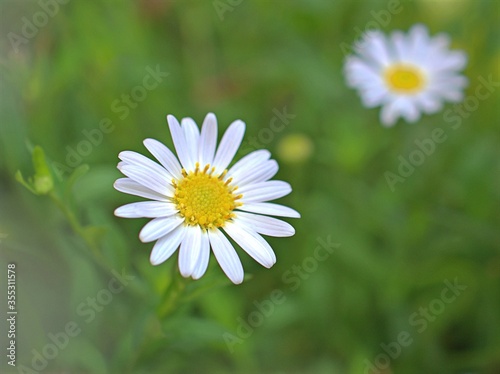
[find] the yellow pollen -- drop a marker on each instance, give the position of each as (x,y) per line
(404,79)
(205,199)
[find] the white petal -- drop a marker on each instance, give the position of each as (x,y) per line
(229,144)
(180,144)
(374,96)
(208,140)
(265,172)
(418,37)
(248,240)
(429,104)
(374,46)
(265,225)
(264,191)
(159,227)
(439,43)
(401,46)
(121,164)
(447,92)
(203,258)
(360,72)
(156,182)
(131,187)
(226,256)
(164,156)
(189,252)
(271,209)
(453,60)
(192,134)
(389,114)
(409,110)
(248,163)
(141,161)
(378,49)
(447,81)
(147,209)
(367,79)
(167,245)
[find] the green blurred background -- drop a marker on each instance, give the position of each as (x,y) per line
(247,60)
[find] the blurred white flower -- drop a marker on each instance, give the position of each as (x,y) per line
(195,200)
(406,74)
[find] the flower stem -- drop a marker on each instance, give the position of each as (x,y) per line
(172,294)
(79,229)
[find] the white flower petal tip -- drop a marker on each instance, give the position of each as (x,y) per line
(402,73)
(211,117)
(159,227)
(229,145)
(183,217)
(270,209)
(120,165)
(172,119)
(226,256)
(252,243)
(265,225)
(167,245)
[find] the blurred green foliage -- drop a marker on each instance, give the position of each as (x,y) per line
(65,86)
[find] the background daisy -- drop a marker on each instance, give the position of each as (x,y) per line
(194,200)
(406,74)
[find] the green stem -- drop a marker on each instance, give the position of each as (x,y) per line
(79,229)
(172,294)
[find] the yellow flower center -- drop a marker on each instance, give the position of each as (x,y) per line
(404,79)
(205,199)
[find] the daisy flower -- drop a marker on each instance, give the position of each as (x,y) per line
(406,74)
(196,202)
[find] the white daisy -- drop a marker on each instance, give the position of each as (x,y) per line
(406,74)
(195,200)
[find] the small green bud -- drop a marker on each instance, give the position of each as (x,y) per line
(43,182)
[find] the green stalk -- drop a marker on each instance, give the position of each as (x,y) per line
(77,227)
(173,293)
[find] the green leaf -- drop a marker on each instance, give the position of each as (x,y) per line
(19,177)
